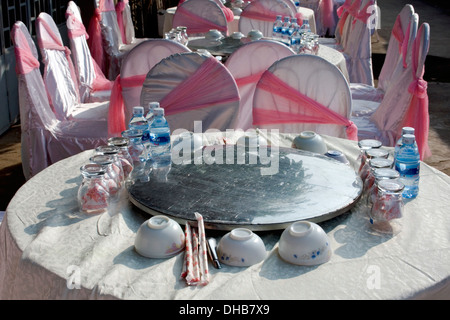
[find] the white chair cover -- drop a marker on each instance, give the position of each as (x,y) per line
(268,9)
(394,61)
(139,61)
(342,28)
(123,11)
(246,65)
(88,72)
(45,139)
(125,23)
(359,46)
(60,77)
(193,87)
(367,98)
(386,122)
(313,77)
(393,54)
(200,16)
(113,46)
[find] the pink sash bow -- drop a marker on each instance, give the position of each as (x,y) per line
(417,115)
(188,95)
(116,114)
(317,113)
(403,39)
(25,60)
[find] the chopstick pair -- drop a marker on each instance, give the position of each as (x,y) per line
(195,266)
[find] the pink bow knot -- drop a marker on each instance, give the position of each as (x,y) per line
(418,88)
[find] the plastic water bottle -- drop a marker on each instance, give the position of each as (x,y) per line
(276,34)
(292,27)
(407,163)
(405,130)
(150,113)
(139,122)
(295,40)
(285,27)
(305,28)
(160,139)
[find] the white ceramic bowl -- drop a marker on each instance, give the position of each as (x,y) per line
(237,35)
(187,142)
(251,139)
(159,237)
(304,243)
(310,141)
(241,248)
(213,34)
(254,35)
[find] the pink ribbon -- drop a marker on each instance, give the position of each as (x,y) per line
(196,23)
(259,12)
(25,60)
(95,40)
(76,27)
(343,8)
(116,113)
(417,115)
(56,44)
(362,15)
(188,95)
(317,112)
(253,78)
(120,6)
(327,13)
(403,40)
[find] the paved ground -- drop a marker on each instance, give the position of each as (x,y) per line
(437,73)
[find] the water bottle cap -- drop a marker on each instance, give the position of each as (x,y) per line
(158,111)
(153,105)
(408,139)
(138,110)
(407,130)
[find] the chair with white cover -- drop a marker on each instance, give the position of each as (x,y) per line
(45,139)
(367,98)
(200,16)
(345,14)
(405,104)
(194,89)
(247,64)
(93,85)
(261,14)
(359,44)
(398,57)
(304,92)
(125,23)
(127,87)
(105,39)
(60,77)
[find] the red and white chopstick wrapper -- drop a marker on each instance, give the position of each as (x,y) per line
(195,267)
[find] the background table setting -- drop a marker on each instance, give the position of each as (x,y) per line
(50,250)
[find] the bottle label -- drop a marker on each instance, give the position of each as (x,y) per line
(145,136)
(160,140)
(407,170)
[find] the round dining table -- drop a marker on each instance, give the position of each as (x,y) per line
(233,26)
(49,250)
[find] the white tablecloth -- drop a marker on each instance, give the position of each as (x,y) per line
(233,26)
(335,57)
(50,251)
